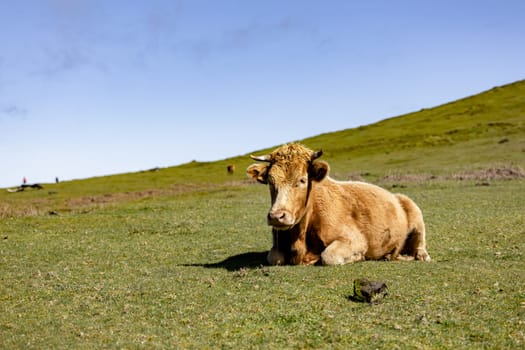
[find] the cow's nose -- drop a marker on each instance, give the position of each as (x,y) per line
(278,218)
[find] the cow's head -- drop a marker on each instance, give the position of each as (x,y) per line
(289,172)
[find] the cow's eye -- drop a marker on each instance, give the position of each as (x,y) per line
(302,181)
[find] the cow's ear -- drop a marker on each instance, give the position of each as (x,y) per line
(258,172)
(319,170)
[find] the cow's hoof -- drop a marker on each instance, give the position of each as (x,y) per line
(275,257)
(422,255)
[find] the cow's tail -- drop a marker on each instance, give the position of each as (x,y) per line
(415,243)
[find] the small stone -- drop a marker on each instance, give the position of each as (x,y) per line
(371,292)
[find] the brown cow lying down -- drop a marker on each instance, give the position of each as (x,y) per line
(314,217)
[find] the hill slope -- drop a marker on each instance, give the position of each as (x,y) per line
(473,133)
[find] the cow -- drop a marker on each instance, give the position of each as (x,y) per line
(316,219)
(230,168)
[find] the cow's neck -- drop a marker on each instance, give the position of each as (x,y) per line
(295,243)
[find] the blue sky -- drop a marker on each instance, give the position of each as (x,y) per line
(99,87)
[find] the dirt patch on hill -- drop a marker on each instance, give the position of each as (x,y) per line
(489,174)
(51,206)
(407,178)
(495,173)
(109,198)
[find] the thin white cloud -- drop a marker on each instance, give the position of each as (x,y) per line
(14,111)
(251,36)
(64,59)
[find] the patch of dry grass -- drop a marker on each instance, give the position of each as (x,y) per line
(506,172)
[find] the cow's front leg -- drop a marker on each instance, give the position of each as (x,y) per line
(275,257)
(344,251)
(298,253)
(340,253)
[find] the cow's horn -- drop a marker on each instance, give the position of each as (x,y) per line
(265,158)
(317,154)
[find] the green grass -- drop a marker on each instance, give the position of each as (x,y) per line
(175,258)
(184,272)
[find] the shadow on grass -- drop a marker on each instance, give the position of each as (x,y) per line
(249,260)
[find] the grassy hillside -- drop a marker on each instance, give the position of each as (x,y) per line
(478,132)
(475,132)
(175,258)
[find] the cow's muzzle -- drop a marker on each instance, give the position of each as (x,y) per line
(280,219)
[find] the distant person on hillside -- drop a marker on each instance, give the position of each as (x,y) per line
(24,180)
(56,179)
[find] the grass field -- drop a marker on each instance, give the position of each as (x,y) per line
(175,258)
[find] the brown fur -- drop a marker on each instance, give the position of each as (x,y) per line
(317,219)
